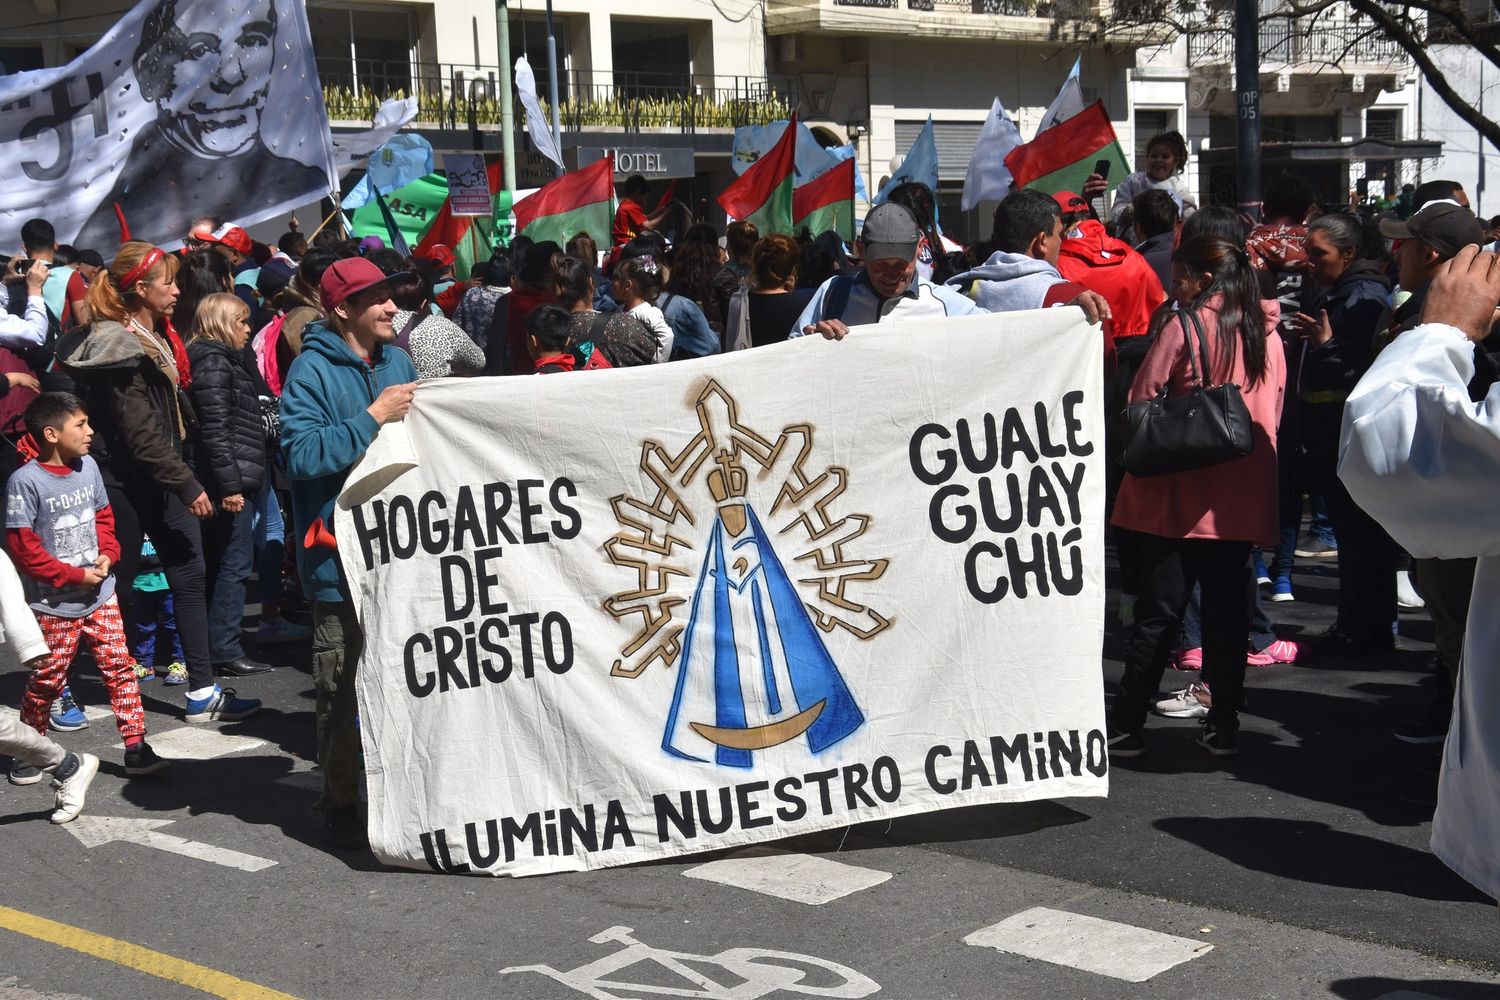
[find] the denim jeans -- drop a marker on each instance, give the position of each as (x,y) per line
(228,554)
(178,536)
(155,632)
(270,542)
(1262,634)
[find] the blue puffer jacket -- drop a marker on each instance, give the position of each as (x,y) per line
(325,429)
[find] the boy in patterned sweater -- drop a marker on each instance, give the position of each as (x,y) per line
(60,531)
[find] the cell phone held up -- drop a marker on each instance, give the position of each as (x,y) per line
(1101,167)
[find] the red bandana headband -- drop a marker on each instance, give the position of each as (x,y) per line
(152,258)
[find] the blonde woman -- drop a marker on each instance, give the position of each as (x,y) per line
(230,456)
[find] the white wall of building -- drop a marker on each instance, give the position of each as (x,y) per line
(1463,148)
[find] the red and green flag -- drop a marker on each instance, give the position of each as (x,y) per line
(1062,157)
(575,203)
(763,193)
(826,202)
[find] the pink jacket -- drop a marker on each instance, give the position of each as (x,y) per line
(1234,500)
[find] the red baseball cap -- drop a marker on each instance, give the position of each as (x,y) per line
(1070,201)
(440,255)
(349,277)
(232,237)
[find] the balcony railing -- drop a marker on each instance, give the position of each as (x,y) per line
(1012,8)
(1289,42)
(454,96)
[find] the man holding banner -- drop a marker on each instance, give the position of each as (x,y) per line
(347,359)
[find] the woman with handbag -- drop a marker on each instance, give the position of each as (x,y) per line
(1200,489)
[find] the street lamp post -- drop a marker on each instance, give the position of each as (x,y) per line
(1247,104)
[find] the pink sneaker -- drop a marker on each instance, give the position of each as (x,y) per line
(1189,659)
(1285,651)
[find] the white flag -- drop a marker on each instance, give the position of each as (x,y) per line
(988,178)
(1068,102)
(536,122)
(184,109)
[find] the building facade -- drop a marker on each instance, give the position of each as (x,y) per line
(664,83)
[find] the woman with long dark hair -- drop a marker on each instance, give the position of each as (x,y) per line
(1338,346)
(698,273)
(133,372)
(1197,527)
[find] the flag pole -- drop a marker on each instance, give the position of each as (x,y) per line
(552,89)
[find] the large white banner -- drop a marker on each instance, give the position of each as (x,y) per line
(185,108)
(637,613)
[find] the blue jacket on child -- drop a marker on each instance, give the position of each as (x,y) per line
(325,429)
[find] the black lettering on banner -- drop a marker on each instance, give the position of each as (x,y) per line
(403,512)
(1017,509)
(434,532)
(749,807)
(572,521)
(945,455)
(557,642)
(493,645)
(943,786)
(794,808)
(455,607)
(529,511)
(370,532)
(60,123)
(1015,751)
(419,685)
(496,506)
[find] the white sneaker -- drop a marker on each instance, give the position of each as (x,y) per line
(71,793)
(1189,703)
(1406,594)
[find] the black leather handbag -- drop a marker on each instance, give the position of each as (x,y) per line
(1206,426)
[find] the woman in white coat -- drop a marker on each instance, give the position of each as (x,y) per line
(1424,461)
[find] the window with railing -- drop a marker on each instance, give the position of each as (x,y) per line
(360,48)
(1383,124)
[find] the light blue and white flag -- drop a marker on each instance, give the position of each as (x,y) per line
(920,165)
(988,179)
(404,158)
(751,142)
(1068,102)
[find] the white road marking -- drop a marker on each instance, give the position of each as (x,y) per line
(752,973)
(190,743)
(1105,947)
(801,878)
(96,831)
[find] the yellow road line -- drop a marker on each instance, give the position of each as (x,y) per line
(153,963)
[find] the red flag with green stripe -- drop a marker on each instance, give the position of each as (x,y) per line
(763,193)
(1062,157)
(574,203)
(827,202)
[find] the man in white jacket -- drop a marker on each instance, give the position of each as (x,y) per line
(1424,461)
(71,772)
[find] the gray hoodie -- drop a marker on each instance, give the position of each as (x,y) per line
(1010,282)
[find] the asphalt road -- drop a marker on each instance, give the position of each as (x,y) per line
(1299,869)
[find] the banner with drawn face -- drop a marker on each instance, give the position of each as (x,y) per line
(643,612)
(185,109)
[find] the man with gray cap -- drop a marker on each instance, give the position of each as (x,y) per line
(887,285)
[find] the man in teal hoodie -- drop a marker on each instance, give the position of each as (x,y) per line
(349,381)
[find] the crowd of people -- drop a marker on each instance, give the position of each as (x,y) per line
(179,423)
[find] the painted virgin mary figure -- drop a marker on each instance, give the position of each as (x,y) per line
(754,671)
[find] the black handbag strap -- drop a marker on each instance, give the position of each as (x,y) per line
(1204,375)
